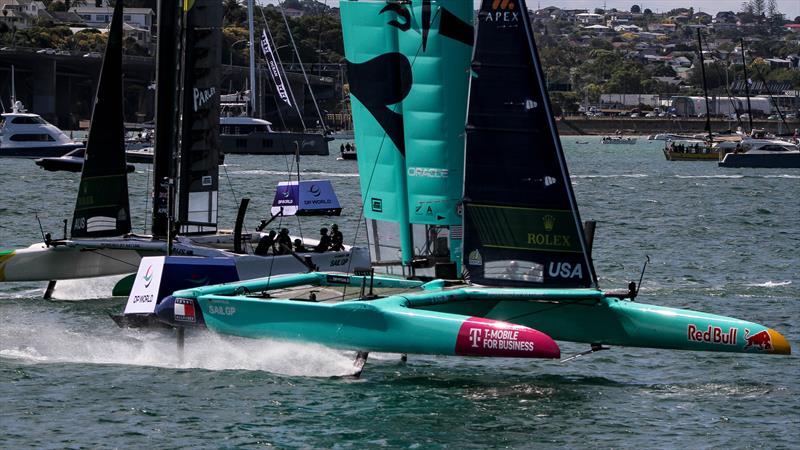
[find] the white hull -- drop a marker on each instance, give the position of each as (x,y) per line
(89,258)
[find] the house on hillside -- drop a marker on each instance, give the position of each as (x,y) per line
(589,18)
(100,17)
(22,14)
(662,27)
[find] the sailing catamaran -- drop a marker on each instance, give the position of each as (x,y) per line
(527,272)
(186,169)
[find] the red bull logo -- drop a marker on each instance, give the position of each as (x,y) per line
(712,335)
(762,340)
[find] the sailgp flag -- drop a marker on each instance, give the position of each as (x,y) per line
(274,70)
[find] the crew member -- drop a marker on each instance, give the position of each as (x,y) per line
(283,242)
(299,247)
(265,244)
(324,241)
(337,239)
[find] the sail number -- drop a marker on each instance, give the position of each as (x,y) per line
(222,310)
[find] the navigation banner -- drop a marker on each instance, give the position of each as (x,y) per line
(274,69)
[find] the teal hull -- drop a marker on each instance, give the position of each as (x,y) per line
(433,319)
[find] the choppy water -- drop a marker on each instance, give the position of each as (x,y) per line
(720,240)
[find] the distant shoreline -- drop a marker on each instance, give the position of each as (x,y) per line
(596,126)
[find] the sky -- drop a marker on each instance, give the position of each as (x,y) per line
(791,8)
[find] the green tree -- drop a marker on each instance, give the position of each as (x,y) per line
(636,9)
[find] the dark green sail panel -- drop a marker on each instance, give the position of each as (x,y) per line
(199,146)
(102,208)
(521,220)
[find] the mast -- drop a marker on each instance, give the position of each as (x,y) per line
(747,87)
(165,117)
(705,87)
(251,47)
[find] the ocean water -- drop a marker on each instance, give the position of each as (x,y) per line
(719,240)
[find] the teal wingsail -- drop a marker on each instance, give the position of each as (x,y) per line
(408,72)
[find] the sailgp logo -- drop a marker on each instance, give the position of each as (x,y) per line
(148,276)
(201,97)
(314,190)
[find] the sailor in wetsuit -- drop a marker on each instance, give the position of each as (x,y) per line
(299,247)
(337,239)
(324,241)
(283,243)
(265,244)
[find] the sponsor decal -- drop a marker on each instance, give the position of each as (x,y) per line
(423,210)
(486,337)
(148,276)
(377,204)
(549,222)
(221,310)
(503,12)
(203,96)
(547,239)
(427,172)
(339,262)
(337,279)
(762,340)
(530,105)
(712,335)
(314,190)
(206,181)
(549,181)
(565,270)
(475,258)
(184,310)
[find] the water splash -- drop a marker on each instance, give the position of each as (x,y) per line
(770,284)
(283,173)
(43,337)
(86,288)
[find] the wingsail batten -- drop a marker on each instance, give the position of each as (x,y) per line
(522,225)
(408,71)
(380,79)
(199,146)
(102,208)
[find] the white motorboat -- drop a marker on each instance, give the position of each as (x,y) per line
(762,153)
(619,140)
(27,135)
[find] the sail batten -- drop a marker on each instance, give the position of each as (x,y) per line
(408,68)
(198,182)
(102,208)
(521,221)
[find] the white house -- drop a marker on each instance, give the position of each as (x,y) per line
(21,13)
(142,18)
(589,18)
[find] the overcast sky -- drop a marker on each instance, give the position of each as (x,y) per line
(789,7)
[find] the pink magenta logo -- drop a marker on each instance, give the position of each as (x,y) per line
(148,276)
(486,337)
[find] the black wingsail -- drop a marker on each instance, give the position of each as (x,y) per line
(521,221)
(199,146)
(102,208)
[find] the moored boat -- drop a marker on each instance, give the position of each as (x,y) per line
(27,135)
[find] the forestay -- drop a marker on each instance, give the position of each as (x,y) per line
(522,225)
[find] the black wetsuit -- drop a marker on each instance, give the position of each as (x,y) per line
(337,241)
(324,244)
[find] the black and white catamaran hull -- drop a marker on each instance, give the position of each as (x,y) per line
(89,258)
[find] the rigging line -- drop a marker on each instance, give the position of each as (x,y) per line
(230,185)
(98,252)
(280,63)
(146,200)
(302,69)
(559,304)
